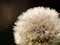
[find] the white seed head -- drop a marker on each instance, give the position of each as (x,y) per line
(37,26)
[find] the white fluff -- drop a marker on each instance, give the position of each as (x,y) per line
(31,21)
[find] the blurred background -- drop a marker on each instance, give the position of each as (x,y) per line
(11,9)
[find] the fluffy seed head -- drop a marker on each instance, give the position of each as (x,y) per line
(37,26)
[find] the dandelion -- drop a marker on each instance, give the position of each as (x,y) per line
(37,26)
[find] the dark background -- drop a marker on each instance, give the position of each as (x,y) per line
(11,9)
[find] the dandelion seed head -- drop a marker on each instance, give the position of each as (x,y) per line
(37,26)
